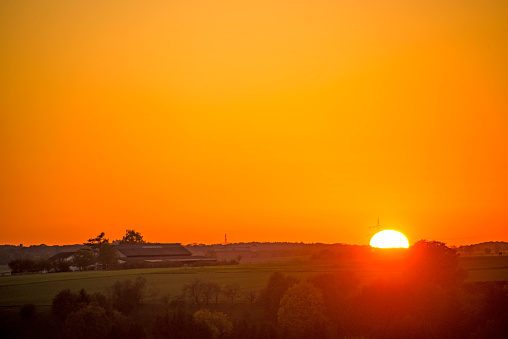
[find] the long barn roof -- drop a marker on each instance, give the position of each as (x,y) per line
(152,250)
(181,258)
(62,255)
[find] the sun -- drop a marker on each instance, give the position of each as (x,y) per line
(389,239)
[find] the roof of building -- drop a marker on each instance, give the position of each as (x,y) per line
(183,258)
(152,250)
(62,255)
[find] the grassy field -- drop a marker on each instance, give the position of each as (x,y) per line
(39,289)
(485,268)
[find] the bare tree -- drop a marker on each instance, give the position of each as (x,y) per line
(231,292)
(211,290)
(195,291)
(251,296)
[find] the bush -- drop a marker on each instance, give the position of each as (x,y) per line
(126,295)
(196,292)
(27,311)
(231,292)
(270,296)
(25,265)
(302,312)
(217,322)
(64,303)
(180,326)
(89,321)
(435,262)
(60,265)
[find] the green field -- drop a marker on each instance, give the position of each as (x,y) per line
(485,268)
(39,289)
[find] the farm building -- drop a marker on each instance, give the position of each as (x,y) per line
(156,253)
(65,256)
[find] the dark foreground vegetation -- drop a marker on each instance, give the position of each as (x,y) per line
(418,293)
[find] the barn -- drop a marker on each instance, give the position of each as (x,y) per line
(67,257)
(155,252)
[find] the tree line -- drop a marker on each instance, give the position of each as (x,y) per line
(98,252)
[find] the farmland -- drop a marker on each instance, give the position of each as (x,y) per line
(346,275)
(39,289)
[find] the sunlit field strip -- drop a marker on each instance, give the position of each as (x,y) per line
(40,288)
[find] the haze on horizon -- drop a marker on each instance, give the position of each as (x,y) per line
(267,120)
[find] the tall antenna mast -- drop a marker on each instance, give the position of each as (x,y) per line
(377,227)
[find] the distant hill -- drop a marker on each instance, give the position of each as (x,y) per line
(264,252)
(485,248)
(34,252)
(252,252)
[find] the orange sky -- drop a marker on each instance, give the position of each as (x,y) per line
(274,120)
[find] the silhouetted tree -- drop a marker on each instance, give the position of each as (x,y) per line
(211,290)
(180,326)
(270,296)
(231,292)
(126,295)
(83,258)
(64,303)
(250,296)
(43,265)
(337,288)
(132,237)
(497,249)
(217,322)
(107,255)
(95,243)
(102,252)
(302,312)
(469,249)
(28,265)
(89,321)
(27,311)
(196,292)
(60,265)
(18,266)
(417,307)
(433,261)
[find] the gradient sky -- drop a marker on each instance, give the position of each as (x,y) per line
(276,120)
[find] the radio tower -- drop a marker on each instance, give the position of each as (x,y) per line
(377,227)
(225,239)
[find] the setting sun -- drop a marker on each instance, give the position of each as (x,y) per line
(389,239)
